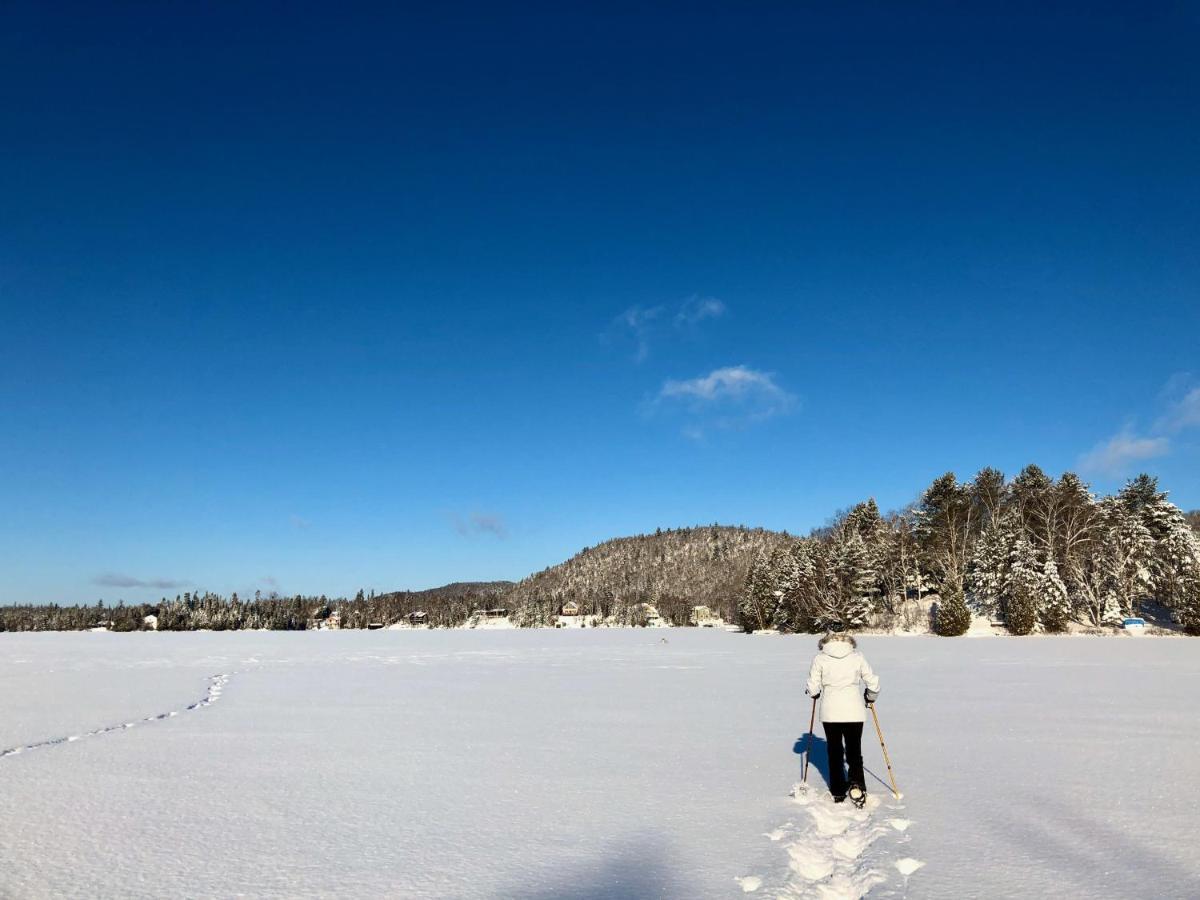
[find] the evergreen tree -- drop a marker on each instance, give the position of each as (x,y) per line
(1175,548)
(1023,607)
(1056,604)
(864,520)
(799,609)
(1034,501)
(756,611)
(786,578)
(853,583)
(1176,556)
(1129,550)
(988,577)
(953,616)
(1188,608)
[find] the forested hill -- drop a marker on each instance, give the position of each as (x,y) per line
(673,570)
(445,606)
(480,589)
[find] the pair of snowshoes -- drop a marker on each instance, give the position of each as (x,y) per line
(857,796)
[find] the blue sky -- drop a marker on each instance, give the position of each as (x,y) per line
(374,297)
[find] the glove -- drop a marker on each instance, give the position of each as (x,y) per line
(815,696)
(870,696)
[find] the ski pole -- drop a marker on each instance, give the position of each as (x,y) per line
(883,747)
(812,720)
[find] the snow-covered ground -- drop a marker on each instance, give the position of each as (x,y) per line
(587,763)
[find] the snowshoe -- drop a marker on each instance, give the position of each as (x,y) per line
(857,796)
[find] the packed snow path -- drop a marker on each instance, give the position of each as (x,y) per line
(830,846)
(592,764)
(216,685)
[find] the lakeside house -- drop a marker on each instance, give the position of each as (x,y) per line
(647,614)
(497,613)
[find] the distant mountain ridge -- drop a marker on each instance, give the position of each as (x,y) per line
(464,589)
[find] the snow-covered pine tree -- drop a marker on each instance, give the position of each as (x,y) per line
(1176,558)
(798,605)
(785,582)
(756,610)
(1175,548)
(870,526)
(991,561)
(1023,606)
(1188,609)
(1129,549)
(953,617)
(853,581)
(863,519)
(1056,604)
(1033,501)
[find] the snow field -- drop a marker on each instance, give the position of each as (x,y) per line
(590,764)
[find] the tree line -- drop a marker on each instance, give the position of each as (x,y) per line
(440,607)
(1031,553)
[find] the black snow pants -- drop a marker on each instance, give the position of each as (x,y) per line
(851,734)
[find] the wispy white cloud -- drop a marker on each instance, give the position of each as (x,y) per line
(644,325)
(112,579)
(696,309)
(1179,401)
(728,397)
(1114,456)
(478,523)
(638,322)
(1183,412)
(724,383)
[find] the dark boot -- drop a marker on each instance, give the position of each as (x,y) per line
(857,795)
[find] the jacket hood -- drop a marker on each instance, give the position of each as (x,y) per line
(839,646)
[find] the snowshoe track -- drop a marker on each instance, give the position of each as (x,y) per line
(839,852)
(216,685)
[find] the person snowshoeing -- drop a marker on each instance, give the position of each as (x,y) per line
(842,678)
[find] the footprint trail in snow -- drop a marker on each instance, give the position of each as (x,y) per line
(216,685)
(835,851)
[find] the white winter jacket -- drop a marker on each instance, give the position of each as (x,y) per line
(837,676)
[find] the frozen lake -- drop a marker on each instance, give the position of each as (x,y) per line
(590,763)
